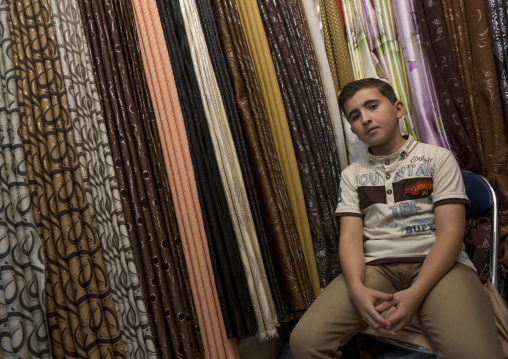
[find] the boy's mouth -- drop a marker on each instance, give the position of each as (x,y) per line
(371,129)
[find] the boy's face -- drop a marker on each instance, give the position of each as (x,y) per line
(375,120)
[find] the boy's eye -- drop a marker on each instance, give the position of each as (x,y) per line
(354,117)
(373,107)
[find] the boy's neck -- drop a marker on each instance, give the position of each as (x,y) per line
(389,148)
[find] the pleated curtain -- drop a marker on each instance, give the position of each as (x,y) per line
(182,181)
(263,65)
(467,24)
(231,176)
(310,128)
(81,315)
(148,211)
(449,89)
(23,322)
(283,243)
(340,125)
(236,305)
(257,207)
(497,12)
(94,154)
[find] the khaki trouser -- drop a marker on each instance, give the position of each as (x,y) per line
(456,314)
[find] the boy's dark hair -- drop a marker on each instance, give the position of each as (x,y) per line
(353,87)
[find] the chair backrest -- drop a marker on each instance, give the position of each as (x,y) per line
(483,198)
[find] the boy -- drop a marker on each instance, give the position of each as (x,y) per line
(402,209)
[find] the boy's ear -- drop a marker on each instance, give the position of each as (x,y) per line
(399,105)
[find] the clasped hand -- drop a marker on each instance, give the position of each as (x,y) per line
(372,304)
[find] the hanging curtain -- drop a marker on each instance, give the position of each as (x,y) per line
(468,28)
(237,311)
(154,237)
(497,11)
(24,327)
(327,80)
(336,46)
(231,176)
(272,99)
(425,108)
(94,154)
(284,245)
(310,128)
(257,207)
(446,79)
(182,181)
(81,315)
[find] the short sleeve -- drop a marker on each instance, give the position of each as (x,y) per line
(348,203)
(448,184)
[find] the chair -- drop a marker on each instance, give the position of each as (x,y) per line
(482,199)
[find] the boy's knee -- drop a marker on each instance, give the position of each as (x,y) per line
(304,342)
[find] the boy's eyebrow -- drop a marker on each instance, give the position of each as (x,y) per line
(365,104)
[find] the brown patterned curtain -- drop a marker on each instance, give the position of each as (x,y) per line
(23,322)
(141,176)
(81,314)
(310,126)
(94,153)
(449,89)
(467,24)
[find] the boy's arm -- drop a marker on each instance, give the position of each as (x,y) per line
(450,227)
(353,266)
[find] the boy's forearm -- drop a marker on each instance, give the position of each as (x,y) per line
(450,224)
(351,255)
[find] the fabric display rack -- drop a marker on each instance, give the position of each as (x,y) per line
(169,169)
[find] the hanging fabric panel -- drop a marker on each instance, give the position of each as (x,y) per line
(231,176)
(257,206)
(94,153)
(237,311)
(468,28)
(327,80)
(449,88)
(23,322)
(280,225)
(272,99)
(497,11)
(336,46)
(154,237)
(425,107)
(310,128)
(81,315)
(182,181)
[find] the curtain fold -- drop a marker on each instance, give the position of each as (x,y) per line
(270,92)
(467,25)
(424,104)
(237,311)
(231,176)
(340,126)
(94,153)
(23,323)
(497,12)
(285,247)
(446,78)
(182,181)
(81,315)
(256,204)
(148,211)
(310,128)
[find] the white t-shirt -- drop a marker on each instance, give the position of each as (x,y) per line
(396,196)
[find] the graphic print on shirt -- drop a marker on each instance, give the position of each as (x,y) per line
(404,218)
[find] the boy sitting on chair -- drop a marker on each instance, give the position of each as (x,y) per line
(402,209)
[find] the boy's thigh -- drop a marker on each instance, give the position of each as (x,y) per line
(458,318)
(333,318)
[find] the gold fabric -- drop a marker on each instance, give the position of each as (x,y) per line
(265,72)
